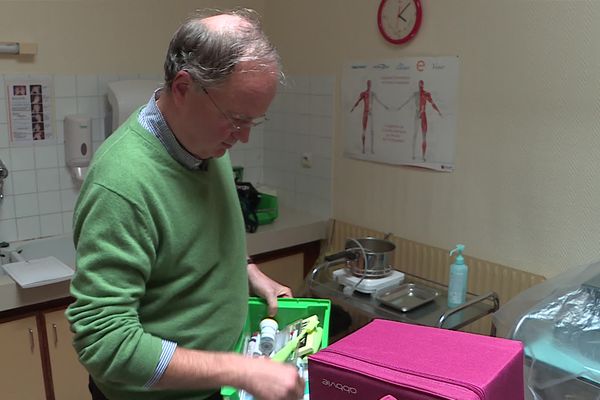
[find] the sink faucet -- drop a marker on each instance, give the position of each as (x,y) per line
(3,175)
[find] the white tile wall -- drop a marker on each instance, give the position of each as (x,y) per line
(28,228)
(250,155)
(40,195)
(301,123)
(39,192)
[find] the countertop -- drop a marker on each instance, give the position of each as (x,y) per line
(291,228)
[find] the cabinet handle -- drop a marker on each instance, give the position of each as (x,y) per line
(55,335)
(31,341)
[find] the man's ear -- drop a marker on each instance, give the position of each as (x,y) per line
(181,86)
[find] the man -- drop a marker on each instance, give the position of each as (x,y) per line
(161,285)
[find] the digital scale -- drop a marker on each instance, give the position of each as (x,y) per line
(368,285)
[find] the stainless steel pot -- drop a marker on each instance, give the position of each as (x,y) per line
(379,254)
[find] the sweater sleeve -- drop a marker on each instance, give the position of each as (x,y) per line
(115,253)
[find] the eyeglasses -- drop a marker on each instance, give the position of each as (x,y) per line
(236,123)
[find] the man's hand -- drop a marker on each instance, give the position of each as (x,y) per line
(270,380)
(263,286)
(262,377)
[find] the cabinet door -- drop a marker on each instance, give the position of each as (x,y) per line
(21,377)
(69,377)
(286,270)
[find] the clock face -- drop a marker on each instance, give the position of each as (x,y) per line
(399,20)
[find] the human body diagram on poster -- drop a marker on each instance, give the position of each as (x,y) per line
(421,98)
(366,97)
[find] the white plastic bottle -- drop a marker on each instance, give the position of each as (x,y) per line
(459,277)
(268,329)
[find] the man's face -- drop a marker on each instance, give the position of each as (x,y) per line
(209,118)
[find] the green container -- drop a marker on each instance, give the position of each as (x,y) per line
(289,310)
(268,209)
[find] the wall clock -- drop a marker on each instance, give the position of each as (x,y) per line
(399,20)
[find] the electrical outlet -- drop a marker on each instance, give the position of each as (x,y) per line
(307,160)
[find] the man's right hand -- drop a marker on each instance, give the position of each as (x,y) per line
(262,377)
(270,380)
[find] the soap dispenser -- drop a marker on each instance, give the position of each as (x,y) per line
(459,275)
(78,145)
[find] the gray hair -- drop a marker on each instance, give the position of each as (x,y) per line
(210,56)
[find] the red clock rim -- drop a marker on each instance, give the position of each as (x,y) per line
(413,31)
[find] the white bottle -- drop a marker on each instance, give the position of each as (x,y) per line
(268,329)
(459,276)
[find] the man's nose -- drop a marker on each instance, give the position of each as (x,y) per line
(242,135)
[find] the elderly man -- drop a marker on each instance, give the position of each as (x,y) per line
(162,278)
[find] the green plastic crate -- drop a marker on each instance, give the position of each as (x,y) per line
(289,310)
(267,210)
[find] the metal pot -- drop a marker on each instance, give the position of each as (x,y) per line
(378,252)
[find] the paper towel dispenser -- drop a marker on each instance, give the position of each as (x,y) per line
(124,97)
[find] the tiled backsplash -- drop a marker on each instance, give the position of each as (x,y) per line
(40,194)
(301,125)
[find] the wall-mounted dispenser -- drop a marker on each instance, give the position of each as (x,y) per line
(78,145)
(124,97)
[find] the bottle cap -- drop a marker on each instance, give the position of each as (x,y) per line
(269,323)
(459,257)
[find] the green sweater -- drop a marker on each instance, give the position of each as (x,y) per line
(160,255)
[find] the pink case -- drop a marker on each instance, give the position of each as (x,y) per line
(412,362)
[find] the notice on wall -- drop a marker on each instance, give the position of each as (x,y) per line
(30,110)
(402,111)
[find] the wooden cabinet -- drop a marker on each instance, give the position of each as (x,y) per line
(22,376)
(39,361)
(289,266)
(288,270)
(69,378)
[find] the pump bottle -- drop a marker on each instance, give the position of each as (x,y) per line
(459,275)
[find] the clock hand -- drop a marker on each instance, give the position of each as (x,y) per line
(402,12)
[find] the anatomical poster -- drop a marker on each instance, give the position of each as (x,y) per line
(401,111)
(30,110)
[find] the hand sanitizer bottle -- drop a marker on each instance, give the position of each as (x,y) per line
(459,274)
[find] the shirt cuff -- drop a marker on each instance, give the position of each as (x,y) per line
(168,349)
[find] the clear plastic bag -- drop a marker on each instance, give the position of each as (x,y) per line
(558,322)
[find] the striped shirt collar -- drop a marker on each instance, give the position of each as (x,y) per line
(152,120)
